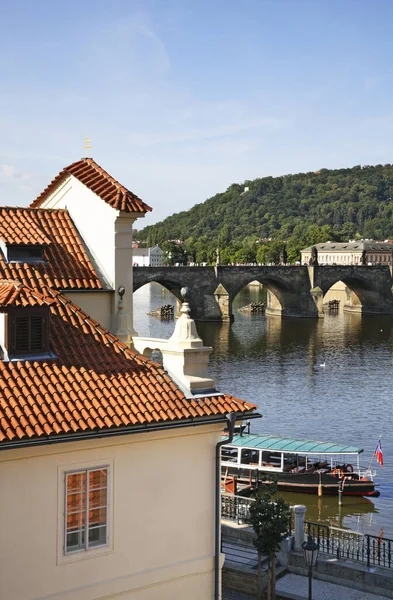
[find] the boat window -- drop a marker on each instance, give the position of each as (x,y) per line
(250,457)
(271,459)
(229,454)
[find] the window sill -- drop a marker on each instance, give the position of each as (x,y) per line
(84,554)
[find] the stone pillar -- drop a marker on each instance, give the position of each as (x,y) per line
(123,272)
(122,332)
(317,296)
(300,514)
(224,303)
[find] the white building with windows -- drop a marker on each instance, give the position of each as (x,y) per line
(148,257)
(351,253)
(107,467)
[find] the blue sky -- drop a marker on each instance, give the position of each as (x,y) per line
(181,98)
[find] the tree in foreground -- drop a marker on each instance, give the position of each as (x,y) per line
(270,521)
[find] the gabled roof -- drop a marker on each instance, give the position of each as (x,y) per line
(66,262)
(15,294)
(88,172)
(96,385)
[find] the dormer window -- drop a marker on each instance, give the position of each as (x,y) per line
(28,332)
(28,254)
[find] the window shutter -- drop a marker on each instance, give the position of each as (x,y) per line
(36,333)
(21,335)
(27,332)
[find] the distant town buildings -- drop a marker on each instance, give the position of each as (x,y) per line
(148,257)
(353,252)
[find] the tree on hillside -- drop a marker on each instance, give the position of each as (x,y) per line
(174,254)
(270,521)
(299,210)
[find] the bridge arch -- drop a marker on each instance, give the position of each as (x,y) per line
(366,290)
(294,291)
(283,295)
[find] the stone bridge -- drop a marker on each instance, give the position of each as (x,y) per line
(295,291)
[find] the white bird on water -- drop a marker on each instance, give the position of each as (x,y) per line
(323,365)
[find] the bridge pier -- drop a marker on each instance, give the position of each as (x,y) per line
(295,291)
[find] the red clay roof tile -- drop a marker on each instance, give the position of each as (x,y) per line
(108,387)
(14,293)
(65,266)
(101,183)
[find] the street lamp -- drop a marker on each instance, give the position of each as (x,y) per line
(310,552)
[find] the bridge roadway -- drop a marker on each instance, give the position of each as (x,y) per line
(295,291)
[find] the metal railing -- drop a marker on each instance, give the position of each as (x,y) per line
(374,550)
(236,508)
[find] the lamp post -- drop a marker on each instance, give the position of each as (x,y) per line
(310,552)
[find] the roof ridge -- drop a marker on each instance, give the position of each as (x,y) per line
(105,186)
(34,208)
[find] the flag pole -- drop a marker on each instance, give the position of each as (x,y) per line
(373,455)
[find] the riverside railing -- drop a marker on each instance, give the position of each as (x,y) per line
(236,508)
(374,550)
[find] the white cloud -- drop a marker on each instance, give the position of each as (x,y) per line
(127,51)
(12,176)
(150,138)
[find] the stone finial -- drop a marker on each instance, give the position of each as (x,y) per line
(185,333)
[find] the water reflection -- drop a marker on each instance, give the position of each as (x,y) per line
(355,513)
(276,364)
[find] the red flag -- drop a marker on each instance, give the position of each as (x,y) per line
(378,453)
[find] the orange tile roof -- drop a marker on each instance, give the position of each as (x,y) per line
(66,265)
(101,183)
(95,385)
(14,293)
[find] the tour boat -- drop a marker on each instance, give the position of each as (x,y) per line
(299,466)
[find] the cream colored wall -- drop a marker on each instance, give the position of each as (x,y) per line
(97,304)
(161,531)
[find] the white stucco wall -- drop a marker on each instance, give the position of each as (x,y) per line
(161,524)
(96,304)
(140,260)
(108,235)
(93,217)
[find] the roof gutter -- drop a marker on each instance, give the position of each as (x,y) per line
(98,433)
(231,421)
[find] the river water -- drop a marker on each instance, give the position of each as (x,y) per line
(278,365)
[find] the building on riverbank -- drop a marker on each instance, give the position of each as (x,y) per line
(148,257)
(98,498)
(353,252)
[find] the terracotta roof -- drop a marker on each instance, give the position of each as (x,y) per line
(95,384)
(14,293)
(66,265)
(101,183)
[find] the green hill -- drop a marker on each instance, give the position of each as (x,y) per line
(299,210)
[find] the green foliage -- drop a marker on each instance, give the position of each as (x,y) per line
(301,210)
(269,518)
(174,253)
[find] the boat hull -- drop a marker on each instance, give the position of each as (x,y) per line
(309,483)
(330,486)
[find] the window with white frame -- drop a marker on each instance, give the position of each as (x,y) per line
(86,509)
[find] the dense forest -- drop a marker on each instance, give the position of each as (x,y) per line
(251,222)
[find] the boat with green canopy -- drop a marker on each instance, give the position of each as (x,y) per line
(298,465)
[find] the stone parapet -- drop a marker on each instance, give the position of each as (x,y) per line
(346,573)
